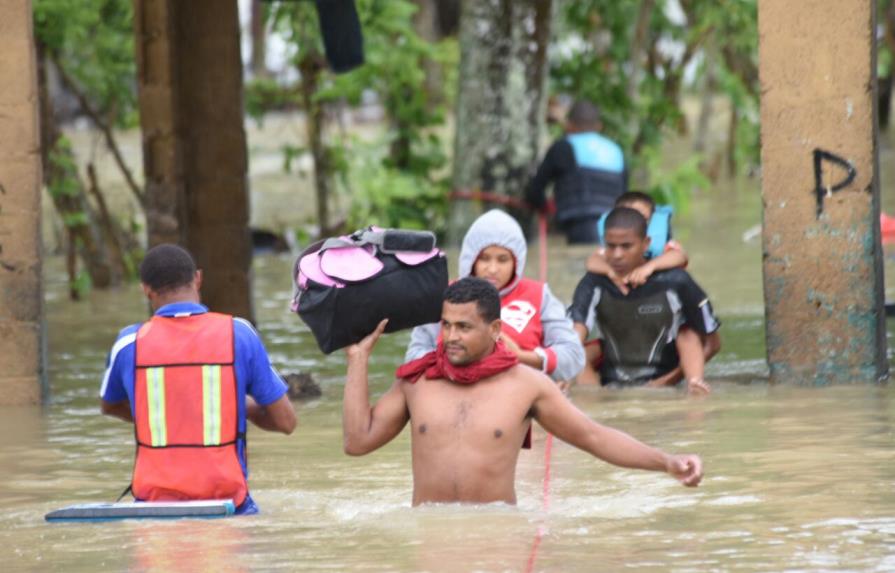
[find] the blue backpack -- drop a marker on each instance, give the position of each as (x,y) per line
(659,229)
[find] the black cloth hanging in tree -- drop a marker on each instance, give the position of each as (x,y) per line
(342,36)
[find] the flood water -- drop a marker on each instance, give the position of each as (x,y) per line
(797,479)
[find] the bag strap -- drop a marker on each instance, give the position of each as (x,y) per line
(128,490)
(386,240)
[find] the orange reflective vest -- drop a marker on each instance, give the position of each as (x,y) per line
(186,411)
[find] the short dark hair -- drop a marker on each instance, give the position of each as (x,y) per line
(480,291)
(167,267)
(629,197)
(584,113)
(626,218)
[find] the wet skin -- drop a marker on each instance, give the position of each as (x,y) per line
(466,438)
(624,250)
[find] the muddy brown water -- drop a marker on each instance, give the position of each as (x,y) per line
(797,479)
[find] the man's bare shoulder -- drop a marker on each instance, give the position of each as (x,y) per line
(522,373)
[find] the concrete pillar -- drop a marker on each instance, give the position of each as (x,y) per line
(823,280)
(194,145)
(22,346)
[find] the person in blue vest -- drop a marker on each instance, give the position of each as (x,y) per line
(587,171)
(663,253)
(188,379)
(652,334)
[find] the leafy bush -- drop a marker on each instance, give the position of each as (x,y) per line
(389,197)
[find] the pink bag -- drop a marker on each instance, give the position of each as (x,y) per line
(347,285)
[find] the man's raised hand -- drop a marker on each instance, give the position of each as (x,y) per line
(365,346)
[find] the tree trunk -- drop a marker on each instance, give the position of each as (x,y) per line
(159,98)
(112,234)
(259,39)
(425,23)
(311,66)
(885,100)
(638,43)
(706,109)
(67,191)
(501,101)
(22,334)
(105,128)
(731,152)
(194,148)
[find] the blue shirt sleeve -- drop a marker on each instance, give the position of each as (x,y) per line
(263,383)
(118,378)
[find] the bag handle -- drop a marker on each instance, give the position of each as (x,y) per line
(387,240)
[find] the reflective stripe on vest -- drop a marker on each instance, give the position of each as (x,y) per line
(155,400)
(211,404)
(186,410)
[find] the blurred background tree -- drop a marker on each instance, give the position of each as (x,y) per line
(640,61)
(393,180)
(676,81)
(86,67)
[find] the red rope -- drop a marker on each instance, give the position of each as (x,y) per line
(548,444)
(478,195)
(488,197)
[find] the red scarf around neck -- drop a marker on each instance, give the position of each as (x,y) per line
(435,365)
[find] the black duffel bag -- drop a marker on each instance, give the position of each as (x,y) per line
(345,286)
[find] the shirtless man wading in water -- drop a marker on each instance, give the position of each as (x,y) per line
(469,404)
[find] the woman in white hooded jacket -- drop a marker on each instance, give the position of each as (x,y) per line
(535,326)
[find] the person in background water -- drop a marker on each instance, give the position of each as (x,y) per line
(641,331)
(664,253)
(587,171)
(188,379)
(469,403)
(536,328)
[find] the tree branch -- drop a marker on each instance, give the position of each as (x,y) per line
(637,45)
(94,115)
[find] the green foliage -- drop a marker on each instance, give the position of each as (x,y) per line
(291,153)
(389,197)
(81,284)
(94,41)
(593,58)
(885,59)
(743,103)
(396,187)
(674,186)
(265,94)
(394,70)
(62,163)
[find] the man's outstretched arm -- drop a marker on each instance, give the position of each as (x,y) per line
(365,429)
(558,416)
